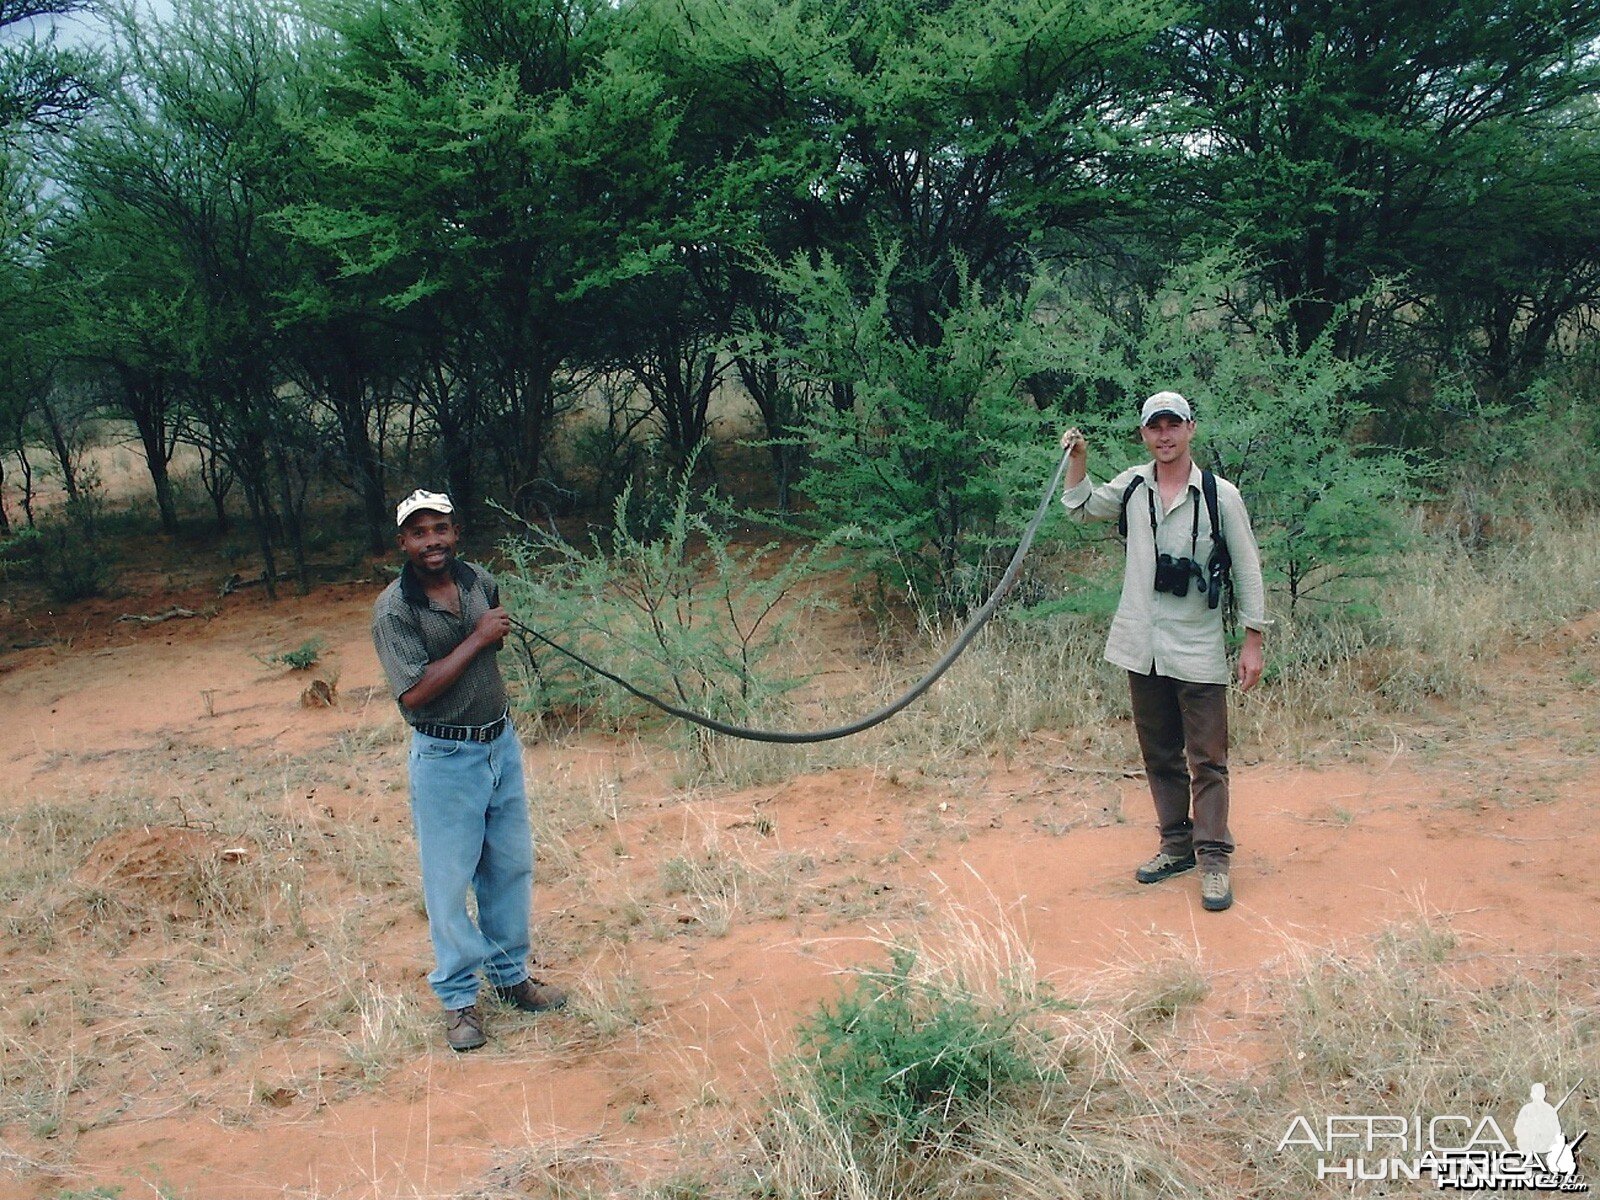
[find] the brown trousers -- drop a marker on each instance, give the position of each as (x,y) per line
(1183,735)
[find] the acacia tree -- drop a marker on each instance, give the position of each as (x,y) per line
(1524,263)
(1341,141)
(190,150)
(44,86)
(928,473)
(670,338)
(826,143)
(348,356)
(700,305)
(486,193)
(962,132)
(126,302)
(28,347)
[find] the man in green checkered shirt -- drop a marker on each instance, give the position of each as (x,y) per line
(437,629)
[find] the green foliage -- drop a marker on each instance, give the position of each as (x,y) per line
(1515,269)
(1350,143)
(1536,450)
(684,613)
(932,467)
(46,82)
(1288,427)
(25,545)
(74,562)
(956,131)
(899,1058)
(173,183)
(302,658)
(342,242)
(488,182)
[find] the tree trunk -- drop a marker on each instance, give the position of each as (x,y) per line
(261,518)
(293,513)
(154,440)
(762,383)
(347,396)
(62,450)
(217,477)
(27,485)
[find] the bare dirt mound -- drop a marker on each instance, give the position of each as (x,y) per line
(173,872)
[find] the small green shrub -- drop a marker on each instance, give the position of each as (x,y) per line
(19,553)
(72,560)
(897,1057)
(685,614)
(929,471)
(302,658)
(24,545)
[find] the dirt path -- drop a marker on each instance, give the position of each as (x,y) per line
(287,1046)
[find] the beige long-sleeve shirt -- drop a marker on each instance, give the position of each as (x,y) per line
(1179,637)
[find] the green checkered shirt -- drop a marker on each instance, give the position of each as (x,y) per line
(409,631)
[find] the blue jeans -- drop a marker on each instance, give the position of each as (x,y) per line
(470,812)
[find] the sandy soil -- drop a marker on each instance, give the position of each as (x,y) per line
(1479,820)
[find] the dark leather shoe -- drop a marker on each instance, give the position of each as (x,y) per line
(464,1029)
(532,996)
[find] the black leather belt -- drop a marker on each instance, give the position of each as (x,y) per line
(465,733)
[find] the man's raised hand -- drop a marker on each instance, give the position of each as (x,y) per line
(493,626)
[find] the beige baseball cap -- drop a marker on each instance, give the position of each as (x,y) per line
(1165,404)
(420,499)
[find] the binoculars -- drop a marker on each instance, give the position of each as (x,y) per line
(1174,574)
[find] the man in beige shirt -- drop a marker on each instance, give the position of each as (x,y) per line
(1168,633)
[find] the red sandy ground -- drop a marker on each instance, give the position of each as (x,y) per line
(1485,822)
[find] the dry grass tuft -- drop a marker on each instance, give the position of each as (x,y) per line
(177,939)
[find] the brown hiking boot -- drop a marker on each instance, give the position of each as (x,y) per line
(464,1028)
(531,996)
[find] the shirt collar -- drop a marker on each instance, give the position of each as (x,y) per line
(1149,470)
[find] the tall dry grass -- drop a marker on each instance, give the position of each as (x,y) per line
(165,932)
(1339,672)
(1427,630)
(1413,1024)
